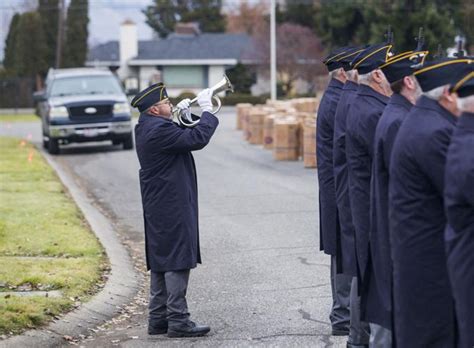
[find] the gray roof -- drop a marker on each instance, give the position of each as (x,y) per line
(104,52)
(179,46)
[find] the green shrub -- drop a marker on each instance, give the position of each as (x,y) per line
(182,96)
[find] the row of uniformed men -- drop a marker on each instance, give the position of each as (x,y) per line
(396,193)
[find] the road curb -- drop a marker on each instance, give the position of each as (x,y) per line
(120,288)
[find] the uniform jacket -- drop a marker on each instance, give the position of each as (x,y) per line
(459,234)
(169,189)
(328,220)
(361,122)
(347,238)
(423,306)
(379,305)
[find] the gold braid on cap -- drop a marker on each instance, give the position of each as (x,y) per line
(151,90)
(376,51)
(440,65)
(461,82)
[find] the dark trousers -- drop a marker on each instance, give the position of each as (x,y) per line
(359,332)
(168,298)
(341,288)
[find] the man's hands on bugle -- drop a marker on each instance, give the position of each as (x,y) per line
(204,99)
(183,105)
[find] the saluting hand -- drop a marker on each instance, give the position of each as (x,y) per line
(204,99)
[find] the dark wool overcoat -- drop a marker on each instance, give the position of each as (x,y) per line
(459,235)
(361,122)
(348,258)
(169,189)
(423,304)
(379,300)
(328,220)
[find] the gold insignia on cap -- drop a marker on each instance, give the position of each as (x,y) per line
(411,55)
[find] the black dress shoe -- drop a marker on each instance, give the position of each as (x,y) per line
(190,329)
(352,345)
(340,332)
(159,328)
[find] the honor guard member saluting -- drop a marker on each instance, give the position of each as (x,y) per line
(372,97)
(406,90)
(328,220)
(423,304)
(170,205)
(459,207)
(358,331)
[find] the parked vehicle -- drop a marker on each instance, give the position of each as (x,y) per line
(82,105)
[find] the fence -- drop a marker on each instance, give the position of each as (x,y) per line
(16,92)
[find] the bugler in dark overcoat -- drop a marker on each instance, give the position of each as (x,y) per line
(169,189)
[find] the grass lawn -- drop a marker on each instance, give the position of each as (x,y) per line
(45,243)
(5,118)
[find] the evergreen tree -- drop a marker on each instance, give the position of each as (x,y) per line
(75,48)
(10,43)
(30,47)
(405,18)
(49,12)
(346,22)
(242,78)
(336,23)
(163,15)
(301,13)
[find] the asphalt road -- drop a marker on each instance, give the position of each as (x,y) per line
(263,281)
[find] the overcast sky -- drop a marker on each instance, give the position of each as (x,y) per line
(105,17)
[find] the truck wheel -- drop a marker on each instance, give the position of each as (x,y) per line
(128,143)
(45,144)
(53,146)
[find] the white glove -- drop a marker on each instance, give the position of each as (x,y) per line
(184,104)
(204,99)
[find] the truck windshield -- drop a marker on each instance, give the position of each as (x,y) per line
(85,85)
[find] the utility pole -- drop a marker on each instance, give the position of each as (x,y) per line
(59,38)
(273,84)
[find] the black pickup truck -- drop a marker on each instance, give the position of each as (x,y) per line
(82,105)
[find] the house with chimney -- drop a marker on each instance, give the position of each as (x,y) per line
(186,60)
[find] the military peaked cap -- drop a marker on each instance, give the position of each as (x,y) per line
(150,96)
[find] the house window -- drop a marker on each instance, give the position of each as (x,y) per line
(184,76)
